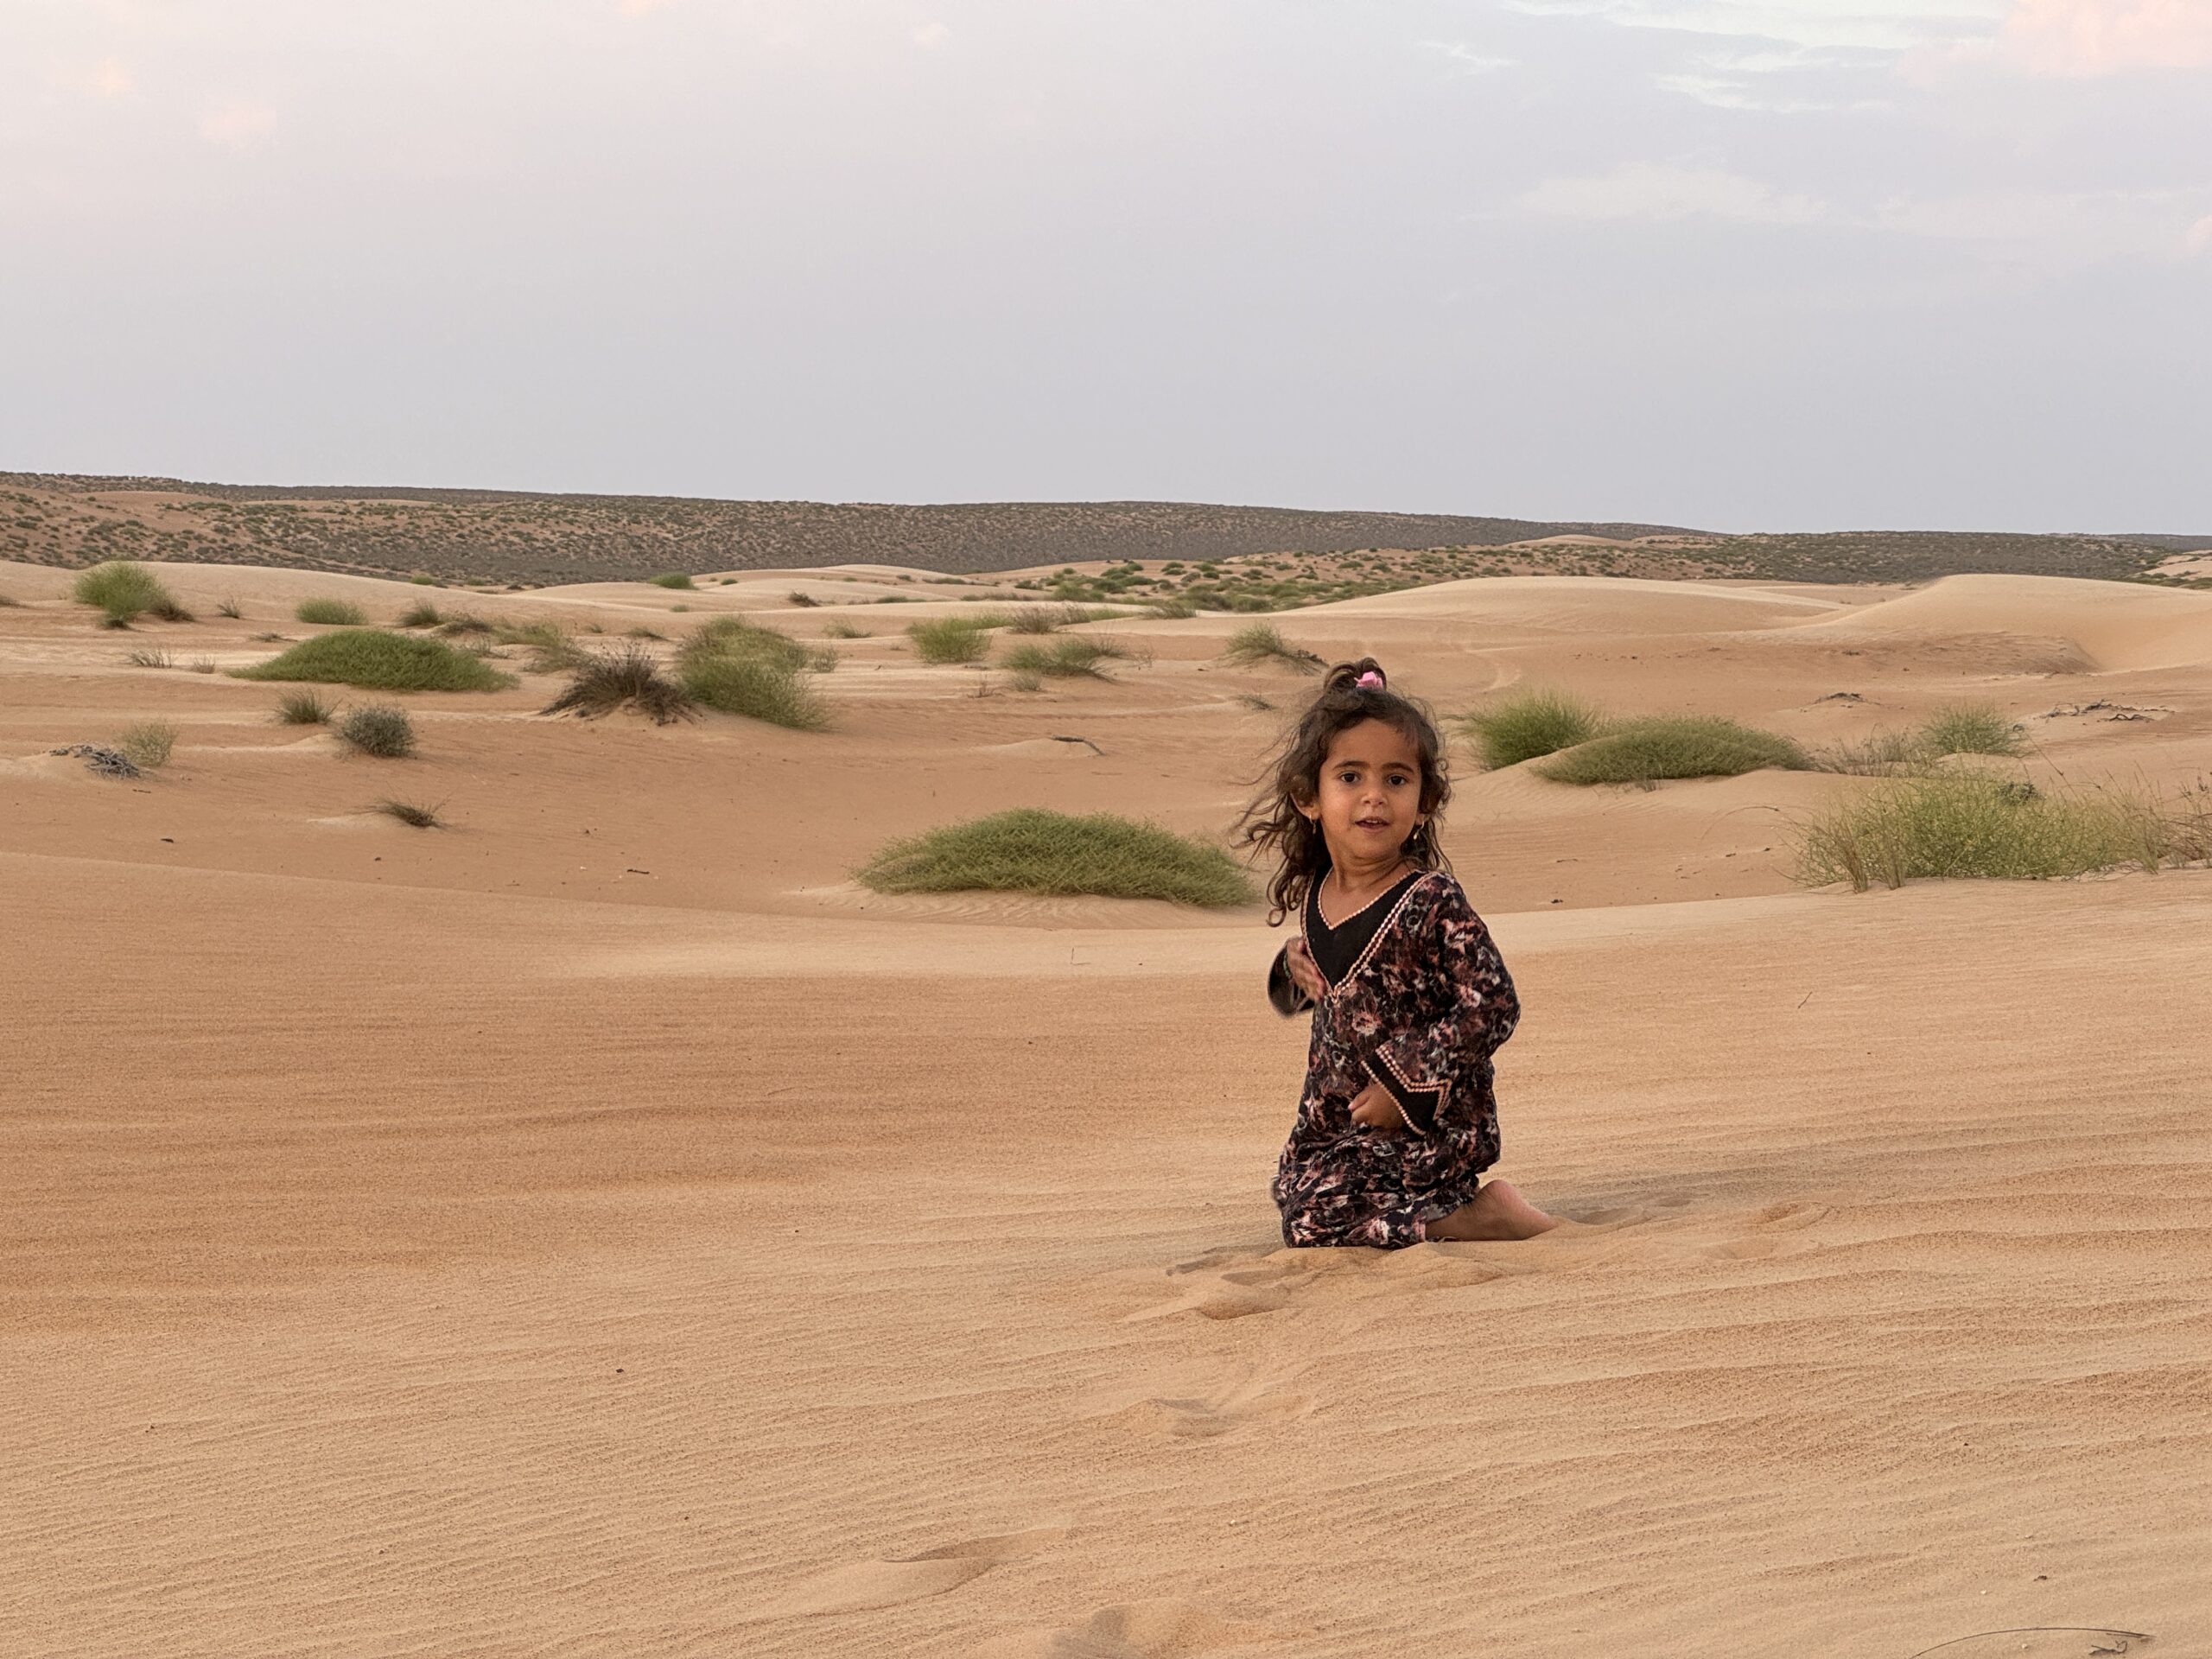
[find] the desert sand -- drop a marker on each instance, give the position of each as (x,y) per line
(602,1227)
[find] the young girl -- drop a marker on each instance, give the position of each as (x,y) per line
(1409,998)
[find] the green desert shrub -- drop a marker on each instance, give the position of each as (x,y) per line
(1069,656)
(420,615)
(600,684)
(1261,644)
(1173,607)
(949,639)
(1966,824)
(148,745)
(739,667)
(126,590)
(1970,728)
(551,649)
(672,579)
(758,687)
(380,729)
(331,613)
(1657,747)
(302,709)
(1030,850)
(1529,725)
(380,661)
(733,636)
(463,623)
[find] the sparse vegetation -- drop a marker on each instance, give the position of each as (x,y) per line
(9,601)
(1971,728)
(148,744)
(125,591)
(643,632)
(453,626)
(149,656)
(602,683)
(380,729)
(844,631)
(330,613)
(1263,643)
(1069,656)
(229,607)
(420,615)
(949,639)
(739,668)
(302,709)
(551,649)
(1029,850)
(380,661)
(801,597)
(1529,725)
(202,665)
(1646,750)
(671,579)
(421,817)
(1967,823)
(760,688)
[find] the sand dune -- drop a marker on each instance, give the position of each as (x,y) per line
(600,1227)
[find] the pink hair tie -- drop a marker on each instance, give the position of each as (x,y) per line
(1370,678)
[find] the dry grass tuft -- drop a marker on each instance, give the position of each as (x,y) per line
(1029,850)
(1529,725)
(1647,750)
(1966,825)
(380,661)
(125,591)
(423,817)
(628,678)
(148,745)
(331,613)
(302,709)
(1263,643)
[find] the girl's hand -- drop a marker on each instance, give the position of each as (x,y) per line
(1373,1108)
(1303,973)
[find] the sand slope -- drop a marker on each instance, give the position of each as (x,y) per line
(600,1228)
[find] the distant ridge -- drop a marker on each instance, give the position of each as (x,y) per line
(508,535)
(516,535)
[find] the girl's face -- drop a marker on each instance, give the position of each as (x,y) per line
(1367,799)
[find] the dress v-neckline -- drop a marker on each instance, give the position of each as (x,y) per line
(1327,925)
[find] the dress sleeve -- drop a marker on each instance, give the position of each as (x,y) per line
(1424,1066)
(1282,990)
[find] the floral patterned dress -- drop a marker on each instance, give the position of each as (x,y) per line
(1419,1008)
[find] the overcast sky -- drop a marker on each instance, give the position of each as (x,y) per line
(1737,263)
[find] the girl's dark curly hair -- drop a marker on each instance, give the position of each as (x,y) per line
(1273,824)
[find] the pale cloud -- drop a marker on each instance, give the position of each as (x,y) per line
(1655,192)
(639,8)
(2078,38)
(1472,62)
(1872,25)
(238,125)
(2199,238)
(111,78)
(933,35)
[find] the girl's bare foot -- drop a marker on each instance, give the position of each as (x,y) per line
(1497,1211)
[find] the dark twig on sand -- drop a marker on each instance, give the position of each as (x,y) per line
(2044,1630)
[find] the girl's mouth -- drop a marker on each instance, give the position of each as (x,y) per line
(1370,823)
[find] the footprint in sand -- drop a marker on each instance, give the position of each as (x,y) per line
(1222,1292)
(1132,1629)
(861,1585)
(1192,1404)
